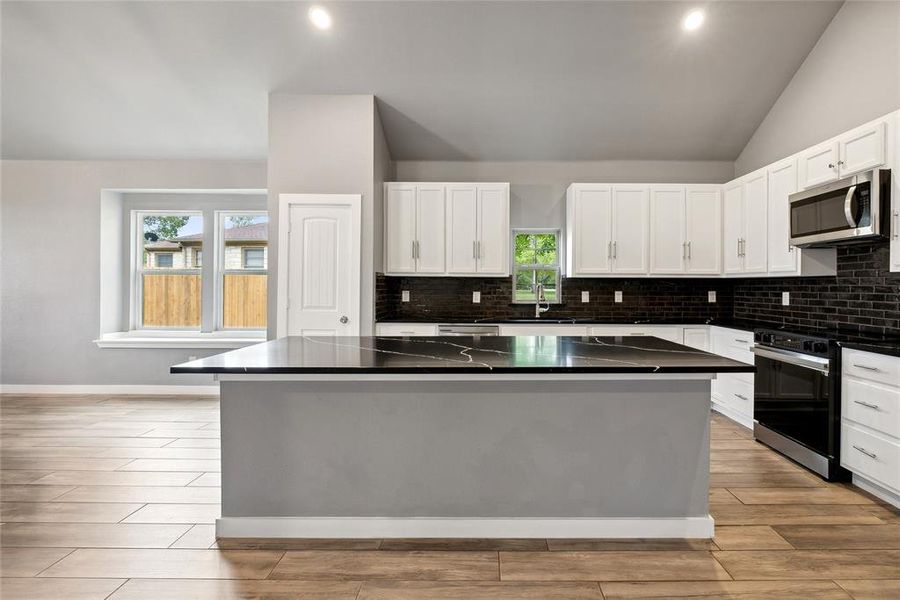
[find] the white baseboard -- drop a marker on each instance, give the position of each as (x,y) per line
(141,390)
(374,527)
(876,490)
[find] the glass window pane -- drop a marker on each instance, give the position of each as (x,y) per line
(525,249)
(524,286)
(171,240)
(548,279)
(171,300)
(246,249)
(545,249)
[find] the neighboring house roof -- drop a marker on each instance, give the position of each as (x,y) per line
(162,245)
(258,232)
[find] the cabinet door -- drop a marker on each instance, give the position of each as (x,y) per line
(591,244)
(697,337)
(733,226)
(704,230)
(462,232)
(400,234)
(756,209)
(861,149)
(668,247)
(492,249)
(819,165)
(430,229)
(782,257)
(630,229)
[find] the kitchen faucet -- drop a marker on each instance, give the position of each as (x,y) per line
(538,298)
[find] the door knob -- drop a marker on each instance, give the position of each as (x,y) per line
(345,320)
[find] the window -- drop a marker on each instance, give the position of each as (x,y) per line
(198,258)
(254,258)
(242,273)
(536,261)
(168,287)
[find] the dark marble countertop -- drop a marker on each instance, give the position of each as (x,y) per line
(549,320)
(464,354)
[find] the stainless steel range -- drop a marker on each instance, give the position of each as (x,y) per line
(796,408)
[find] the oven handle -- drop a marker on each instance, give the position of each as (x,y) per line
(848,205)
(815,363)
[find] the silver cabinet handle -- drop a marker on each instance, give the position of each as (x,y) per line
(739,246)
(478,245)
(609,250)
(413,245)
(866,404)
(615,249)
(866,452)
(866,368)
(831,165)
(474,249)
(684,251)
(740,341)
(690,251)
(744,398)
(896,219)
(418,250)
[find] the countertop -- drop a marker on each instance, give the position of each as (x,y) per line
(464,354)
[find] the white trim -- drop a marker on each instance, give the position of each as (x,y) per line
(180,339)
(142,390)
(423,527)
(282,249)
(459,377)
(877,490)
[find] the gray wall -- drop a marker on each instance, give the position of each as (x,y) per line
(538,188)
(50,244)
(851,76)
(324,144)
(384,171)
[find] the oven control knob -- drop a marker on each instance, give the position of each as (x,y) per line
(765,338)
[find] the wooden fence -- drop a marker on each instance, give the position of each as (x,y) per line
(174,301)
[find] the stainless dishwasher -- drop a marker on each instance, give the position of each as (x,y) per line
(468,330)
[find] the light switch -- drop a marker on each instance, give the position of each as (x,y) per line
(585,296)
(404,296)
(711,296)
(785,298)
(476,297)
(618,296)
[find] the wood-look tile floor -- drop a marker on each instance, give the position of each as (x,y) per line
(114,497)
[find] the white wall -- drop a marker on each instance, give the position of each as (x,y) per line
(50,239)
(324,144)
(851,76)
(538,188)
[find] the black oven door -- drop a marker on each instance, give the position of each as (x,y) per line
(793,397)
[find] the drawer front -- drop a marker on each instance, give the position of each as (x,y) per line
(673,334)
(870,455)
(556,330)
(405,329)
(872,404)
(872,367)
(733,343)
(735,393)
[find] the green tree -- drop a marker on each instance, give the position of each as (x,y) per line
(163,227)
(240,221)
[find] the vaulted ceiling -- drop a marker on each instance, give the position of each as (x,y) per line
(454,80)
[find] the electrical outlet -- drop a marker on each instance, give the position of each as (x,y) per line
(476,297)
(711,296)
(404,296)
(785,298)
(585,296)
(618,296)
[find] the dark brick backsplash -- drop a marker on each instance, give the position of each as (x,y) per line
(863,296)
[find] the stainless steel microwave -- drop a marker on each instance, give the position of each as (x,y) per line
(847,211)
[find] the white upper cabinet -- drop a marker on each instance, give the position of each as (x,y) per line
(588,230)
(668,229)
(756,201)
(630,229)
(492,243)
(400,228)
(703,218)
(733,227)
(782,183)
(857,150)
(447,229)
(462,208)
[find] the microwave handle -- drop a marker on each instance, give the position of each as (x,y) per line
(849,213)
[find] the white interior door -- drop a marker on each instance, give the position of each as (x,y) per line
(630,229)
(462,232)
(704,229)
(320,271)
(668,249)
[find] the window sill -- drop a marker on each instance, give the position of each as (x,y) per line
(141,339)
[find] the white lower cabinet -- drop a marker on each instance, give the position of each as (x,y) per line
(732,393)
(673,333)
(549,329)
(697,337)
(870,421)
(405,329)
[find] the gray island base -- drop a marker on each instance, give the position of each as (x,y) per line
(452,452)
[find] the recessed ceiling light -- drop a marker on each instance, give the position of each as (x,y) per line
(693,20)
(320,17)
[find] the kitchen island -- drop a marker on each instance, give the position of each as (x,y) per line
(528,436)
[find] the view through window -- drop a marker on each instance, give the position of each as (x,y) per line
(536,260)
(244,274)
(170,277)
